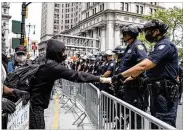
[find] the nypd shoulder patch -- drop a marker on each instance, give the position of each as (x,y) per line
(129,51)
(161,47)
(140,47)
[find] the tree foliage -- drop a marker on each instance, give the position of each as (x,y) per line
(173,17)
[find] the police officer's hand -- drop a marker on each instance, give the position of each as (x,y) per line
(8,106)
(105,80)
(116,78)
(22,94)
(128,79)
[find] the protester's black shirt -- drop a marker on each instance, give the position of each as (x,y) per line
(45,77)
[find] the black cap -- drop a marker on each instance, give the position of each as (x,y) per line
(20,49)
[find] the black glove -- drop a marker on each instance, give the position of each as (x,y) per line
(116,78)
(22,94)
(8,106)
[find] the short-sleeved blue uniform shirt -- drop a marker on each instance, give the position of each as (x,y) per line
(165,55)
(109,66)
(134,53)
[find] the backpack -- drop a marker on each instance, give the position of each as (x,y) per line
(21,78)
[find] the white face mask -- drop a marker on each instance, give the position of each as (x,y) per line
(21,59)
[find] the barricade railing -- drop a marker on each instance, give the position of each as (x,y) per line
(88,96)
(108,112)
(69,90)
(121,115)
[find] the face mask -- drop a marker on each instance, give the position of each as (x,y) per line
(149,37)
(63,58)
(21,59)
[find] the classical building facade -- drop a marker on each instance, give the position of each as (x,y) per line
(98,20)
(104,20)
(5,7)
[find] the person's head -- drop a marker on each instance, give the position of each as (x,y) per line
(130,33)
(20,54)
(56,50)
(109,54)
(78,55)
(119,51)
(154,30)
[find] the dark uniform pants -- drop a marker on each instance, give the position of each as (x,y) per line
(132,95)
(36,120)
(164,110)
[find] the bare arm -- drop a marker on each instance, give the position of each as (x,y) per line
(107,74)
(7,90)
(139,68)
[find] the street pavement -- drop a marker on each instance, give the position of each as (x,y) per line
(58,117)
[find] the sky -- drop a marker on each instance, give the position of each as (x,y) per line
(34,16)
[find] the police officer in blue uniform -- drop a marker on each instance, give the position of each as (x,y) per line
(119,52)
(108,70)
(134,53)
(162,73)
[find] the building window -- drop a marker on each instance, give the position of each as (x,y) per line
(88,5)
(5,11)
(62,5)
(155,3)
(101,7)
(155,10)
(125,6)
(141,9)
(137,9)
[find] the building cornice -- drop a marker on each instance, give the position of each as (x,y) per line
(46,35)
(104,12)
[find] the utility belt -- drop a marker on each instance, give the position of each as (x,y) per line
(167,88)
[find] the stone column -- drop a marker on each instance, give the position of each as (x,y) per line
(102,38)
(117,34)
(110,35)
(95,37)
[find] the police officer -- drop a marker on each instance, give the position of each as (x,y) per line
(118,51)
(134,53)
(92,64)
(44,81)
(162,72)
(108,70)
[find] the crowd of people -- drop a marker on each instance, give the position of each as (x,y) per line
(124,72)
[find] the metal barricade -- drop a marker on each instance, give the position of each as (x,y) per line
(88,96)
(126,116)
(69,90)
